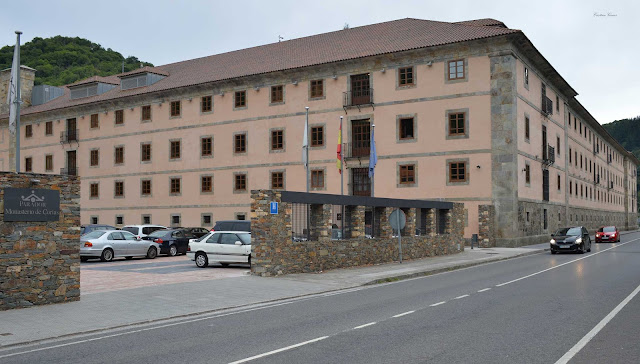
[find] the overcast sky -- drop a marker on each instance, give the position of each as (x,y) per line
(593,44)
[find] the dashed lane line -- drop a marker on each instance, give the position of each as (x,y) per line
(463,296)
(403,314)
(279,350)
(484,290)
(438,304)
(365,325)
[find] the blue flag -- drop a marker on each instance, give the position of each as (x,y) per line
(373,156)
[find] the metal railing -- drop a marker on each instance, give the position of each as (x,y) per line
(69,171)
(357,149)
(69,136)
(363,96)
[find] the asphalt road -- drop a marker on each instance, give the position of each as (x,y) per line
(537,309)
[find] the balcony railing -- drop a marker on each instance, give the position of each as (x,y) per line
(547,106)
(357,149)
(69,136)
(363,96)
(550,156)
(69,171)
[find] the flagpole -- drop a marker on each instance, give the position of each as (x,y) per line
(17,101)
(373,176)
(306,133)
(341,180)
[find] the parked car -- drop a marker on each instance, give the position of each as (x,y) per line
(109,244)
(224,247)
(571,239)
(197,231)
(171,241)
(142,230)
(232,225)
(608,233)
(85,229)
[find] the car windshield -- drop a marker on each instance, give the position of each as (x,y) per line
(246,238)
(158,233)
(575,231)
(94,234)
(609,229)
(133,230)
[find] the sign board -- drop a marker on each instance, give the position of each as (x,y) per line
(273,207)
(27,204)
(393,219)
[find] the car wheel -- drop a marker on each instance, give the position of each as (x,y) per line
(84,259)
(249,260)
(173,250)
(582,249)
(201,260)
(552,252)
(152,253)
(107,255)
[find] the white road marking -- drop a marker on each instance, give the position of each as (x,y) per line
(560,265)
(279,350)
(438,304)
(403,314)
(463,296)
(365,325)
(484,290)
(590,335)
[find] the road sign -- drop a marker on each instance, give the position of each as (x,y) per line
(393,219)
(273,207)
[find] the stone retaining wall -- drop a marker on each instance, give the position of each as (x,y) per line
(39,261)
(274,253)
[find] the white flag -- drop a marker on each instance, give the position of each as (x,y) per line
(12,95)
(305,141)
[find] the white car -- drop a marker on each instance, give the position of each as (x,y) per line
(109,244)
(223,247)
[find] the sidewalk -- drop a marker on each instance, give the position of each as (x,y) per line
(99,311)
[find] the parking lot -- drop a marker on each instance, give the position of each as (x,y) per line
(97,276)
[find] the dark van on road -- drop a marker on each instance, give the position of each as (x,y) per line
(232,225)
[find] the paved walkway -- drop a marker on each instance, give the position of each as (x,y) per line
(103,308)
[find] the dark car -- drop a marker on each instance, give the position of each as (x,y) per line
(232,225)
(608,233)
(197,231)
(171,241)
(86,229)
(571,239)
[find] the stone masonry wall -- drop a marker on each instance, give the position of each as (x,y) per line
(274,253)
(486,227)
(39,261)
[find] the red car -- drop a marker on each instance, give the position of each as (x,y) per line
(608,233)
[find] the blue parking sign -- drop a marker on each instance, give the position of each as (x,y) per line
(274,207)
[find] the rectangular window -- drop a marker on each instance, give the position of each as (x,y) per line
(317,88)
(95,122)
(119,220)
(28,164)
(558,182)
(206,184)
(48,130)
(28,131)
(119,155)
(94,220)
(456,69)
(206,219)
(94,157)
(240,99)
(569,155)
(457,172)
(557,103)
(526,127)
(175,108)
(206,104)
(240,182)
(277,139)
(175,220)
(146,219)
(406,128)
(94,191)
(175,185)
(277,94)
(145,187)
(317,178)
(558,145)
(527,174)
(119,117)
(526,76)
(48,162)
(240,143)
(408,174)
(146,113)
(456,124)
(405,76)
(206,147)
(174,147)
(317,136)
(277,180)
(118,189)
(145,152)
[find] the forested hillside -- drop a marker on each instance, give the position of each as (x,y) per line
(64,60)
(627,133)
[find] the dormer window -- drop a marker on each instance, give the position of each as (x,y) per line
(141,77)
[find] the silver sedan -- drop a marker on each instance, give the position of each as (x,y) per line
(109,244)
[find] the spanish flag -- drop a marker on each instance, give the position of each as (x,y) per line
(339,159)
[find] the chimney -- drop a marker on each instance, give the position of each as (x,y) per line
(27,78)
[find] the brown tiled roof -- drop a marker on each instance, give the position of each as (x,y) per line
(145,69)
(486,22)
(358,42)
(109,79)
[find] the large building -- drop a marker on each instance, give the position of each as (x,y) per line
(468,112)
